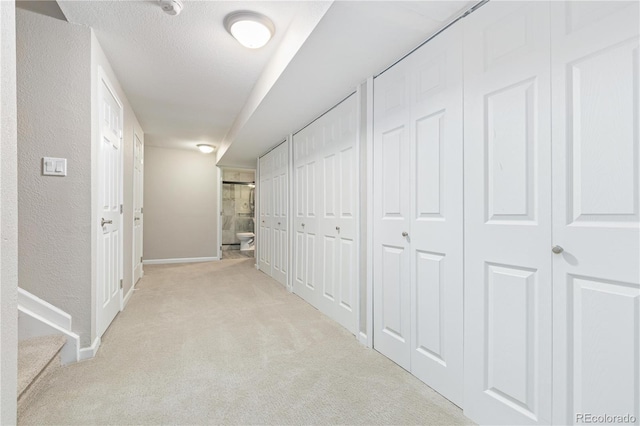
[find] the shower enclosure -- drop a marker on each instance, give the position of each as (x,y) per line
(238,207)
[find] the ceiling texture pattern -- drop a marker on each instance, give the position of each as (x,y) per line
(190,82)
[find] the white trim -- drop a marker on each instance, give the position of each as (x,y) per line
(90,351)
(290,214)
(43,309)
(179,260)
(126,298)
(369,248)
(219,212)
(30,325)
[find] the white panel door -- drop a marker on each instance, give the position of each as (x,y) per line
(138,196)
(266,214)
(337,223)
(596,156)
(110,199)
(507,214)
(280,190)
(436,235)
(392,216)
(307,259)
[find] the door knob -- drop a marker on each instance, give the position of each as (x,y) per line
(303,225)
(104,222)
(278,223)
(405,234)
(557,249)
(338,228)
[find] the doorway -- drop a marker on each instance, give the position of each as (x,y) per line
(237,215)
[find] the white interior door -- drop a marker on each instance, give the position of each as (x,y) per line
(138,194)
(596,220)
(266,214)
(507,214)
(392,216)
(109,262)
(280,205)
(306,255)
(436,235)
(418,214)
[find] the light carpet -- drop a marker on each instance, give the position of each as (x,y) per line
(222,343)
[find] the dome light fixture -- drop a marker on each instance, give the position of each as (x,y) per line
(251,29)
(206,148)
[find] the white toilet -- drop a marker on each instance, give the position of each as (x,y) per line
(246,240)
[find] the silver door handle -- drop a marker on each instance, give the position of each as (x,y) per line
(405,234)
(104,222)
(278,223)
(557,249)
(303,225)
(338,228)
(137,218)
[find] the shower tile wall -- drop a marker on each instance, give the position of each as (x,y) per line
(237,211)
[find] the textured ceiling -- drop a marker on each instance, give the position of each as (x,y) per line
(186,78)
(189,81)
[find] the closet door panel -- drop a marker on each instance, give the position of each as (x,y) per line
(437,215)
(265,236)
(596,209)
(391,216)
(346,190)
(280,189)
(507,214)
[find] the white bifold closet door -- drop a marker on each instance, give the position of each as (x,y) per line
(418,214)
(273,190)
(325,252)
(280,192)
(596,216)
(551,282)
(507,142)
(265,219)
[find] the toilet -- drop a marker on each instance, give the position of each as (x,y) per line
(246,240)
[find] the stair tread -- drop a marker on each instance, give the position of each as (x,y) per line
(34,355)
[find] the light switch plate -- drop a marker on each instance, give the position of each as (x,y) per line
(54,166)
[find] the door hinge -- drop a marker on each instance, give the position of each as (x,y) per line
(120,208)
(140,259)
(120,284)
(141,210)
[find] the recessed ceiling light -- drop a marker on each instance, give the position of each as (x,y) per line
(251,29)
(205,148)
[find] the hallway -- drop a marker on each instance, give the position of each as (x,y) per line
(220,342)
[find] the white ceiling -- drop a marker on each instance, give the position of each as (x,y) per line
(189,82)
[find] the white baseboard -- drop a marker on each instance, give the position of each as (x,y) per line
(362,338)
(89,352)
(179,260)
(128,296)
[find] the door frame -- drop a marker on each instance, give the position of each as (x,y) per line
(95,189)
(133,211)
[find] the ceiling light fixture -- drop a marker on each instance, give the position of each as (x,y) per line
(251,29)
(205,148)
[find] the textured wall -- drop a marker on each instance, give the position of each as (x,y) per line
(8,216)
(180,204)
(54,119)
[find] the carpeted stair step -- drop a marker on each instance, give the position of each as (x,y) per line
(37,358)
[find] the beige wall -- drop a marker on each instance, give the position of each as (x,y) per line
(57,80)
(180,204)
(54,120)
(8,216)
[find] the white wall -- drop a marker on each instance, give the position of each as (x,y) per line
(54,119)
(180,204)
(8,216)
